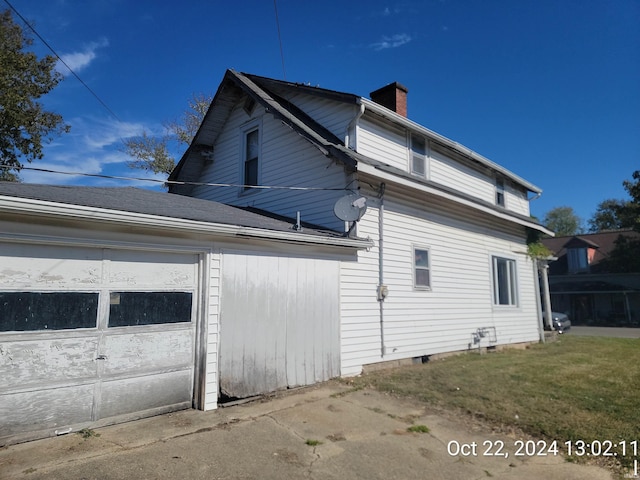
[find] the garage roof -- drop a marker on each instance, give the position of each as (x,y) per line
(161,205)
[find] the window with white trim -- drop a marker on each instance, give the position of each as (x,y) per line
(505,285)
(251,158)
(421,269)
(418,156)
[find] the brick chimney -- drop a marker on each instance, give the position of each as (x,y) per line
(392,96)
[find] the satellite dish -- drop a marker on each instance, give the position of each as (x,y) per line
(350,208)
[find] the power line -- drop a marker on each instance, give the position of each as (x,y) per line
(176,182)
(275,7)
(95,95)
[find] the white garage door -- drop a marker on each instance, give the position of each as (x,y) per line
(93,336)
(280,324)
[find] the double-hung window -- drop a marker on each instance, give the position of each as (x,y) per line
(505,285)
(422,269)
(418,156)
(500,192)
(251,158)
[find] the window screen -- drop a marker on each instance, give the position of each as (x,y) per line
(149,308)
(29,311)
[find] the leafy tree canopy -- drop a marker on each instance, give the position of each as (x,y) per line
(611,215)
(633,208)
(24,124)
(563,221)
(153,153)
(619,214)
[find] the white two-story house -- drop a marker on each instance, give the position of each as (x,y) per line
(449,269)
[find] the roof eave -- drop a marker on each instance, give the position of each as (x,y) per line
(505,215)
(41,208)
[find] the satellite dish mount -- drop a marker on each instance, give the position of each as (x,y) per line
(350,208)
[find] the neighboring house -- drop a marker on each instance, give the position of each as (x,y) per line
(111,300)
(583,285)
(449,270)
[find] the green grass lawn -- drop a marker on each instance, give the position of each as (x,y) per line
(578,388)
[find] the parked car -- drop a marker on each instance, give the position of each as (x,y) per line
(561,322)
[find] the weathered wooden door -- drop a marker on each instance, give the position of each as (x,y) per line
(279,324)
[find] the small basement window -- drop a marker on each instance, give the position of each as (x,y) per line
(149,308)
(33,311)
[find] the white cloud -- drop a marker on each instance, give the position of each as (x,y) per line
(78,61)
(393,41)
(105,133)
(94,147)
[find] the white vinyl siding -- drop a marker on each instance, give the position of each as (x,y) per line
(461,301)
(333,116)
(450,173)
(286,160)
(383,143)
(394,146)
(517,201)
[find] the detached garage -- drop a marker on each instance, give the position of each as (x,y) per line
(117,304)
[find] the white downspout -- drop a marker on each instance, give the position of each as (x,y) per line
(352,127)
(382,289)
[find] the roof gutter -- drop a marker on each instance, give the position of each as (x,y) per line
(386,113)
(31,207)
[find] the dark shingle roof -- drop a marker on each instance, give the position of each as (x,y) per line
(137,200)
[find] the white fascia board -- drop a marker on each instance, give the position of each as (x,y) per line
(389,177)
(416,127)
(26,206)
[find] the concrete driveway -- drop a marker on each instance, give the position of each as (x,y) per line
(324,432)
(606,332)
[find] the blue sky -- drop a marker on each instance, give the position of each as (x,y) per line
(550,89)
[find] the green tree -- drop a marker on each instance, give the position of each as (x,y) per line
(625,256)
(153,153)
(24,123)
(563,221)
(633,208)
(612,215)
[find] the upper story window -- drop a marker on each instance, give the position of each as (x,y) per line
(578,260)
(500,192)
(251,158)
(418,156)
